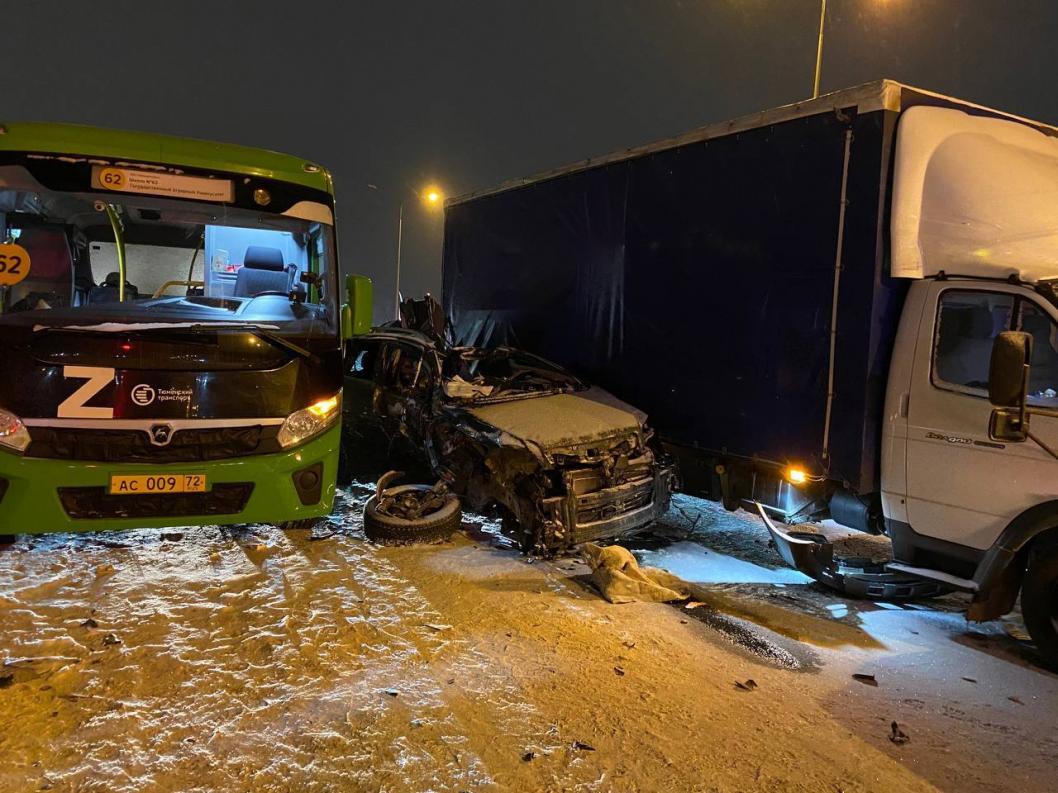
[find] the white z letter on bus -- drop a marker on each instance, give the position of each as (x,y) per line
(74,406)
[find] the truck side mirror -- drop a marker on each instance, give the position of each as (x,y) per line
(356,313)
(1008,383)
(1008,373)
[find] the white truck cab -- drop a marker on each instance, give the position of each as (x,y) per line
(949,490)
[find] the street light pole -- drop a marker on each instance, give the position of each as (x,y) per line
(819,47)
(396,287)
(431,197)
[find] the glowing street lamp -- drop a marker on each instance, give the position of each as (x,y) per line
(431,197)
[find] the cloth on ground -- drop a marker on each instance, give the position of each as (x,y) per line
(620,579)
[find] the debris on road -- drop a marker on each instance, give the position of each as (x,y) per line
(1016,633)
(868,680)
(620,579)
(411,513)
(580,746)
(89,623)
(111,639)
(437,627)
(897,735)
(409,504)
(749,685)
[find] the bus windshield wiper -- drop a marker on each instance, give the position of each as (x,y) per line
(264,334)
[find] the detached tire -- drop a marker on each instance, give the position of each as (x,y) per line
(1039,600)
(387,530)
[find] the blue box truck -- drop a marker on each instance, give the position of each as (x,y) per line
(806,302)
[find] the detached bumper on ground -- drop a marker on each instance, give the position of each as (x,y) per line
(813,554)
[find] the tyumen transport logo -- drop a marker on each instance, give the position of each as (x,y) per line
(143,395)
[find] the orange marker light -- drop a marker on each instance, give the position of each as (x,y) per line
(797,476)
(323,407)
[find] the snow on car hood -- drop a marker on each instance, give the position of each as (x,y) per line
(562,419)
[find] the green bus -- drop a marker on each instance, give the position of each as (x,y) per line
(171,333)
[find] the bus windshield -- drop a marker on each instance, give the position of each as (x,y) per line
(185,263)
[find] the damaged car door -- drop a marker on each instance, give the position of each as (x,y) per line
(402,396)
(358,395)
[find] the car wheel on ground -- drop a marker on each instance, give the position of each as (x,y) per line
(1039,598)
(438,524)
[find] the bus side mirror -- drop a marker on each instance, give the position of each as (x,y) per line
(1008,385)
(356,312)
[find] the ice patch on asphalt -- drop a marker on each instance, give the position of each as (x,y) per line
(691,562)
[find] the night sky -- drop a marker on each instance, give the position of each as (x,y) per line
(469,94)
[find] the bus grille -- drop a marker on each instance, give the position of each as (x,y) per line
(92,503)
(134,446)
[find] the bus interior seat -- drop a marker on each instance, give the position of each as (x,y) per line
(263,270)
(108,292)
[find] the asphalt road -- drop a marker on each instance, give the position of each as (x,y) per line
(249,659)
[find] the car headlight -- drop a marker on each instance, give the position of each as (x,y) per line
(313,420)
(13,433)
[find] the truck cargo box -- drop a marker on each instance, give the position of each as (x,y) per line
(733,282)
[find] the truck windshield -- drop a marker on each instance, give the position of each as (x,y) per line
(62,256)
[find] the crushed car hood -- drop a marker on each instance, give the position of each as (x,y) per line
(561,420)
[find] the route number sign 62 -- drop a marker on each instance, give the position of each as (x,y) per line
(113,179)
(14,264)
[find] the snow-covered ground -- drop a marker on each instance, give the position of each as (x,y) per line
(250,659)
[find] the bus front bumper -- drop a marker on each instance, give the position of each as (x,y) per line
(46,495)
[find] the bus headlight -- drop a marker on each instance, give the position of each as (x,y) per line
(13,433)
(313,420)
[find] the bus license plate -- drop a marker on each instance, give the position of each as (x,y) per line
(143,484)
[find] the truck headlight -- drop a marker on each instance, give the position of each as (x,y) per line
(13,433)
(313,420)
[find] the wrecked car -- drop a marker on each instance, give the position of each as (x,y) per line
(562,462)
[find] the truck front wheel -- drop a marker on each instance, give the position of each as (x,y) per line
(1039,600)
